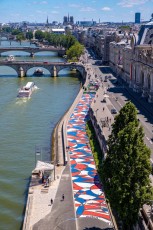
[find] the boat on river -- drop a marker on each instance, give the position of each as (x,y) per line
(10,58)
(26,91)
(38,72)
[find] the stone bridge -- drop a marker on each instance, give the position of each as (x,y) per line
(21,67)
(33,50)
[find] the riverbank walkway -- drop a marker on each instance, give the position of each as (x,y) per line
(89,198)
(84,205)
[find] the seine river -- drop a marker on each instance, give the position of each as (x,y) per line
(26,125)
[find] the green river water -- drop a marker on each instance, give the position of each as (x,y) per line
(24,125)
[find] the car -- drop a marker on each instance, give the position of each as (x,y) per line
(45,62)
(113,111)
(105,79)
(115,81)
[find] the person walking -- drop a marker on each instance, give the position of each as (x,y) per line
(63,197)
(51,201)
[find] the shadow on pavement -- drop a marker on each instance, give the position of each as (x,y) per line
(94,228)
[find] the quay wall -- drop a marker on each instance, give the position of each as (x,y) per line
(60,158)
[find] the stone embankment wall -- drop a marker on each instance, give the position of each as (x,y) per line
(59,143)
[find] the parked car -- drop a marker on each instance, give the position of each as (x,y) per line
(113,111)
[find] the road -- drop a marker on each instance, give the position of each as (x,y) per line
(120,93)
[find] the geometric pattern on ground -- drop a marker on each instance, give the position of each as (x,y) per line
(88,192)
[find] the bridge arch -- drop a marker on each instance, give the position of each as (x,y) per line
(48,68)
(30,71)
(10,71)
(15,53)
(78,68)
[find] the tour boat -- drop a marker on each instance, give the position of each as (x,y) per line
(26,91)
(38,72)
(10,58)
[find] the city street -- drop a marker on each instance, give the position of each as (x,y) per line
(120,93)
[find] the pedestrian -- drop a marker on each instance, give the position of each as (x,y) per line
(51,201)
(63,197)
(42,178)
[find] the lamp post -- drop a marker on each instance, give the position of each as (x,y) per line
(37,153)
(54,168)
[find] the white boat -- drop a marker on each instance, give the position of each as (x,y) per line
(10,58)
(26,91)
(38,72)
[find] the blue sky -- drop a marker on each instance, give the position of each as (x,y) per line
(105,10)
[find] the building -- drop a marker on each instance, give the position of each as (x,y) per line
(65,20)
(86,23)
(68,20)
(137,17)
(58,31)
(71,20)
(131,60)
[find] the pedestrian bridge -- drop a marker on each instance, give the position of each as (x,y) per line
(21,67)
(33,50)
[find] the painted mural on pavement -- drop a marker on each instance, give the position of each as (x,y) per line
(88,193)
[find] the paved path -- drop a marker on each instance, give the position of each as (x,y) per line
(61,215)
(89,200)
(89,197)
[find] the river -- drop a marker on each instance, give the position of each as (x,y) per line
(26,124)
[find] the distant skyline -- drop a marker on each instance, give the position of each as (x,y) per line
(81,10)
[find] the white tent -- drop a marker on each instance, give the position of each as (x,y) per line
(43,166)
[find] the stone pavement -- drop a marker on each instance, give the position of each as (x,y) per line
(40,213)
(61,214)
(39,200)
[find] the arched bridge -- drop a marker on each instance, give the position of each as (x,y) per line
(21,67)
(33,50)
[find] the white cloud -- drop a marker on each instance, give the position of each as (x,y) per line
(41,12)
(87,9)
(74,5)
(105,8)
(54,12)
(44,2)
(131,3)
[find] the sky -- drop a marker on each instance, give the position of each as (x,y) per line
(81,10)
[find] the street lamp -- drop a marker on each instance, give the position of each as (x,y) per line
(54,168)
(37,153)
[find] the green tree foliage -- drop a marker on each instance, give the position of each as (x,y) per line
(16,32)
(29,35)
(39,35)
(20,37)
(126,169)
(7,29)
(75,51)
(68,41)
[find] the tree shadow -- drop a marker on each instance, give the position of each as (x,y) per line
(95,228)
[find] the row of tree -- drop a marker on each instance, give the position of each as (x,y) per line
(126,169)
(73,48)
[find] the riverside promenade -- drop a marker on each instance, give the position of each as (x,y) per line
(84,205)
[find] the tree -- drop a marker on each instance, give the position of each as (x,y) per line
(126,169)
(29,35)
(16,32)
(75,51)
(20,37)
(39,35)
(7,29)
